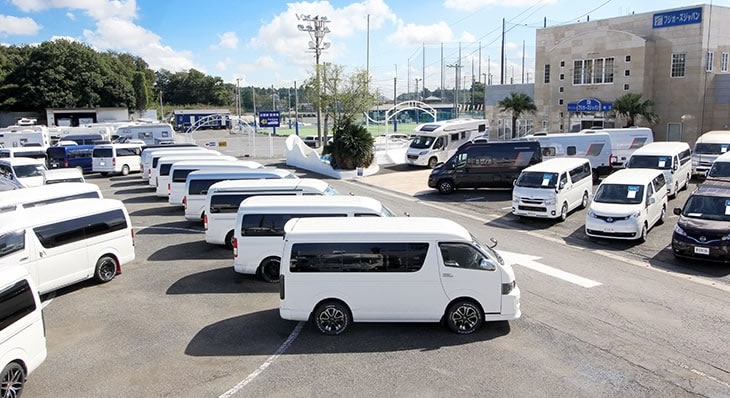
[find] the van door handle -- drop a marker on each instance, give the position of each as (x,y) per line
(42,253)
(24,259)
(447,275)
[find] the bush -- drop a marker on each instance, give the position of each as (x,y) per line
(352,147)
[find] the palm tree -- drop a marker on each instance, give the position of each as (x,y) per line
(517,103)
(632,107)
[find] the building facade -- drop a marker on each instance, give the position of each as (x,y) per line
(678,58)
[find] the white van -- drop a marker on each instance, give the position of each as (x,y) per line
(672,158)
(436,142)
(29,152)
(47,194)
(198,183)
(154,160)
(150,133)
(595,147)
(627,204)
(149,157)
(65,243)
(257,243)
(22,172)
(22,329)
(720,170)
(553,188)
(224,198)
(160,177)
(115,158)
(707,148)
(58,176)
(35,136)
(179,174)
(624,141)
(397,269)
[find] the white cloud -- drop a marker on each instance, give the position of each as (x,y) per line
(67,38)
(11,25)
(221,66)
(71,16)
(510,45)
(264,62)
(469,5)
(468,37)
(412,34)
(226,40)
(97,9)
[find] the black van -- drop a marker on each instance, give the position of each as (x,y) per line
(703,228)
(485,165)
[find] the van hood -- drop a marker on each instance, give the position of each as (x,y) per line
(701,226)
(614,209)
(534,193)
(31,181)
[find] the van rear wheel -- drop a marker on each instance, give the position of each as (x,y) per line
(229,241)
(13,380)
(269,270)
(432,163)
(106,269)
(332,318)
(125,170)
(464,317)
(584,202)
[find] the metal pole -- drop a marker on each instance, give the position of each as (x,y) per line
(162,110)
(367,68)
(523,62)
(488,82)
(408,80)
(255,124)
(296,109)
(395,95)
(423,71)
(458,80)
(501,62)
(484,105)
(442,72)
(479,68)
(271,140)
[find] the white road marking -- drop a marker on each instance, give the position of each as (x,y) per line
(471,199)
(142,228)
(531,262)
(507,208)
(282,348)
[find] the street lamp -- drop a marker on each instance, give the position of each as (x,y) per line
(317,29)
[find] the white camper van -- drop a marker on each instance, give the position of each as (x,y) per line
(336,271)
(26,139)
(595,147)
(150,133)
(707,148)
(160,177)
(180,170)
(436,142)
(224,198)
(674,159)
(58,176)
(115,158)
(47,194)
(624,141)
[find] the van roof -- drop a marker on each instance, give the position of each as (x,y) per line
(223,172)
(45,191)
(23,149)
(21,161)
(292,204)
(715,137)
(725,157)
(62,173)
(57,212)
(10,273)
(370,228)
(558,164)
(662,148)
(632,176)
(627,130)
(168,158)
(260,185)
(175,149)
(714,188)
(443,126)
(570,135)
(217,162)
(118,146)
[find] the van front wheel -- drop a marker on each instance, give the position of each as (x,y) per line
(229,241)
(13,380)
(332,318)
(446,186)
(432,163)
(106,269)
(464,317)
(270,270)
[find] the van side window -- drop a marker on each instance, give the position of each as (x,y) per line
(65,232)
(548,151)
(649,193)
(594,150)
(272,224)
(461,159)
(5,171)
(460,255)
(638,142)
(563,179)
(85,195)
(12,242)
(15,302)
(455,137)
(659,183)
(685,156)
(439,143)
(570,151)
(580,173)
(358,257)
(463,135)
(366,215)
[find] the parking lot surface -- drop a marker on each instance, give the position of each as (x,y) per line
(180,322)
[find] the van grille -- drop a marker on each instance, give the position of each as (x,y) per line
(413,157)
(532,208)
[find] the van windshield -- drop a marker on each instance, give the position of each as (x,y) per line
(329,191)
(620,193)
(28,170)
(711,149)
(422,142)
(535,179)
(720,169)
(385,212)
(650,162)
(12,242)
(707,207)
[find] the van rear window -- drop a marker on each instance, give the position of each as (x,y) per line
(272,224)
(180,175)
(358,257)
(15,302)
(103,153)
(65,232)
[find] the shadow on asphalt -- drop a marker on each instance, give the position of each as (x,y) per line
(221,280)
(260,333)
(133,191)
(666,260)
(169,228)
(129,184)
(134,177)
(467,195)
(158,211)
(146,199)
(196,250)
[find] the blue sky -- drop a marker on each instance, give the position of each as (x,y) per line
(257,41)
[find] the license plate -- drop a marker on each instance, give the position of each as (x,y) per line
(610,230)
(101,163)
(532,214)
(702,250)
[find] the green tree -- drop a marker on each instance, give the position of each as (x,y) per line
(141,92)
(631,107)
(352,147)
(517,103)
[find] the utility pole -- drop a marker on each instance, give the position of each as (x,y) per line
(523,62)
(442,71)
(296,109)
(317,29)
(418,79)
(484,104)
(471,95)
(238,101)
(456,67)
(423,71)
(501,62)
(479,68)
(162,110)
(255,123)
(408,80)
(489,72)
(367,68)
(458,79)
(395,95)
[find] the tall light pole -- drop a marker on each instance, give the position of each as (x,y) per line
(238,99)
(484,105)
(317,29)
(456,67)
(418,79)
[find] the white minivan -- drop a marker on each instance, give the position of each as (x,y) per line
(595,147)
(720,170)
(22,172)
(28,152)
(707,148)
(115,158)
(553,188)
(65,243)
(224,198)
(624,141)
(257,243)
(161,173)
(180,170)
(399,269)
(436,142)
(57,176)
(22,329)
(148,159)
(627,204)
(46,195)
(674,159)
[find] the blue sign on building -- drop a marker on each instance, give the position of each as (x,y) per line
(589,105)
(269,118)
(677,18)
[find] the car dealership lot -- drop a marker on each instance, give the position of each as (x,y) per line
(179,322)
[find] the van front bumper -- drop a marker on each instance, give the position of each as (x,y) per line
(620,229)
(534,208)
(687,248)
(417,160)
(510,307)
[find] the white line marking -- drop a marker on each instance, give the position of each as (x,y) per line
(282,348)
(531,262)
(507,208)
(138,229)
(479,198)
(49,300)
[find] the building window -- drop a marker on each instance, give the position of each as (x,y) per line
(561,115)
(593,71)
(627,72)
(547,73)
(562,89)
(724,62)
(544,124)
(626,87)
(562,64)
(710,58)
(560,101)
(628,59)
(674,131)
(598,71)
(678,64)
(562,76)
(561,127)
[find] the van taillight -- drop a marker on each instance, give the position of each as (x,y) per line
(611,160)
(65,163)
(205,222)
(114,161)
(132,236)
(149,172)
(168,189)
(185,202)
(235,248)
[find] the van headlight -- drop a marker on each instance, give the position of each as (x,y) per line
(423,153)
(550,202)
(726,237)
(591,213)
(508,287)
(635,214)
(679,231)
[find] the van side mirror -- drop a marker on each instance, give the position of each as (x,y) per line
(407,214)
(652,201)
(494,243)
(677,211)
(561,186)
(487,265)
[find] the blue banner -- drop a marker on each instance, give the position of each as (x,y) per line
(677,18)
(269,119)
(589,105)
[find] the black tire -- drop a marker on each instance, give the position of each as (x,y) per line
(464,317)
(229,240)
(125,170)
(332,318)
(564,212)
(596,176)
(106,269)
(104,173)
(432,163)
(446,187)
(584,202)
(644,233)
(269,270)
(12,381)
(663,217)
(676,190)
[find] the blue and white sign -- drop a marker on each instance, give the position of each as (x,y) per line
(589,105)
(676,18)
(269,119)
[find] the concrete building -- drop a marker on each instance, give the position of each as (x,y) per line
(678,58)
(74,117)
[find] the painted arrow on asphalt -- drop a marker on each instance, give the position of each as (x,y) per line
(531,262)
